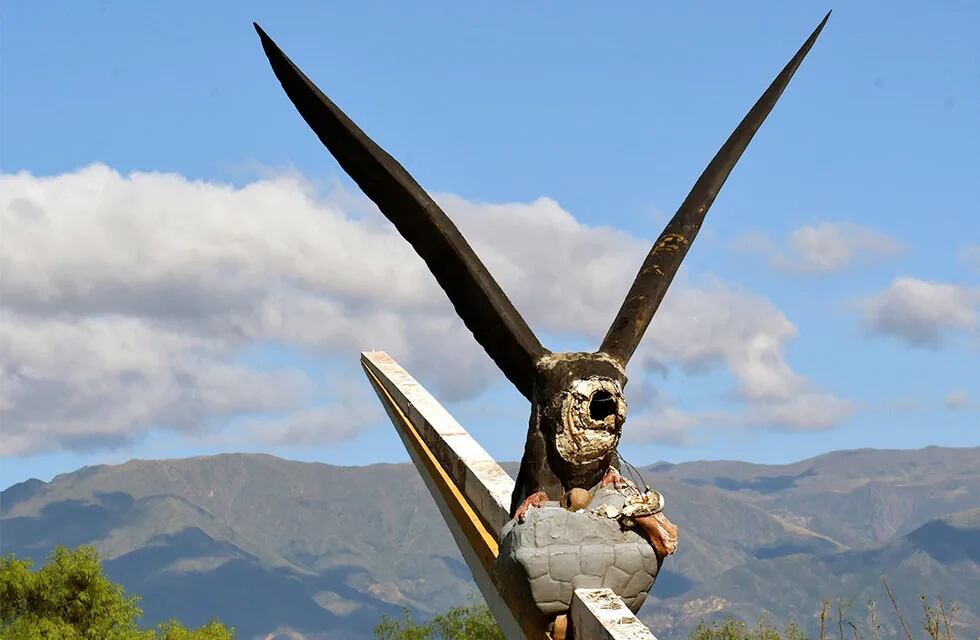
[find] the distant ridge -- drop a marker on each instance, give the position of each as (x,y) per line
(268,544)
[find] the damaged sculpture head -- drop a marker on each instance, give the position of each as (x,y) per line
(578,409)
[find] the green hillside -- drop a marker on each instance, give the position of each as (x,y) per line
(271,545)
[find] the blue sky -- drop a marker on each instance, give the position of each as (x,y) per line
(609,114)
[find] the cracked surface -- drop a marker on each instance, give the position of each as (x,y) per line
(556,551)
(585,436)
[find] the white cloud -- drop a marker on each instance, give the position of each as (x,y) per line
(804,412)
(922,313)
(823,248)
(88,382)
(970,256)
(665,425)
(700,327)
(130,301)
(754,242)
(306,426)
(957,400)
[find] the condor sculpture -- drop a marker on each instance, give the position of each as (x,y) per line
(577,403)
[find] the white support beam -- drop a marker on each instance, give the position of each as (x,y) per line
(468,497)
(599,614)
(484,482)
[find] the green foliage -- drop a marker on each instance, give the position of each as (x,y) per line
(732,629)
(213,630)
(71,599)
(474,622)
(402,629)
(467,623)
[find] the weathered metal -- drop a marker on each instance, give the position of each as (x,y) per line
(668,251)
(562,451)
(477,297)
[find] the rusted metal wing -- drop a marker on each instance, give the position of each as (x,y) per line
(478,299)
(665,258)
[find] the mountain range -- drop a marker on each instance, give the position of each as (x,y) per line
(283,549)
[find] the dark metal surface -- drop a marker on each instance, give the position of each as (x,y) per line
(477,297)
(542,467)
(544,378)
(665,258)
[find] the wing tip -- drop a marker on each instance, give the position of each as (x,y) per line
(823,23)
(268,45)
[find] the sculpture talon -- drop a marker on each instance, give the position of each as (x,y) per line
(536,499)
(613,478)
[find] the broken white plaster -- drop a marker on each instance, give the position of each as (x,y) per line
(597,614)
(581,438)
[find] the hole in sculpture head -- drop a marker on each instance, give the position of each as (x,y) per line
(602,405)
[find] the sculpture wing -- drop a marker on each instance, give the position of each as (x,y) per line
(665,258)
(478,299)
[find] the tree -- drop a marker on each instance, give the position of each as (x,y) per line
(70,598)
(732,629)
(474,622)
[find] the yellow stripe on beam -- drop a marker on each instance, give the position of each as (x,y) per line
(482,542)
